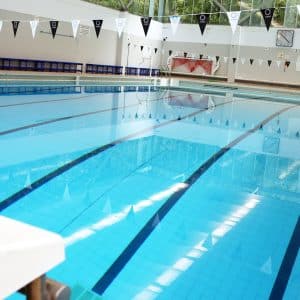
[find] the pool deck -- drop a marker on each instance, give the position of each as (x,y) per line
(26,76)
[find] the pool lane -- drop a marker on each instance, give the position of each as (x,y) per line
(109,276)
(57,172)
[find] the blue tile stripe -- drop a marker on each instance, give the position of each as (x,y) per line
(103,283)
(287,265)
(13,130)
(40,182)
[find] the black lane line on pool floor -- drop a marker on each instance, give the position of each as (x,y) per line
(40,182)
(104,282)
(13,130)
(287,265)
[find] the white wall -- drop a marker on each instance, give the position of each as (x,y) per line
(247,42)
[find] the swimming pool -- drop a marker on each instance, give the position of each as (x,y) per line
(158,193)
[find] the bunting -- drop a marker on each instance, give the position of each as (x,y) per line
(174,20)
(33,25)
(146,21)
(202,19)
(233,17)
(75,26)
(268,15)
(53,27)
(97,26)
(15,25)
(120,24)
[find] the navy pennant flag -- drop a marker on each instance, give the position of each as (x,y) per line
(251,61)
(53,27)
(146,21)
(202,19)
(97,25)
(155,50)
(15,25)
(267,15)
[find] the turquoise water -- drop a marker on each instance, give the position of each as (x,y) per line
(235,205)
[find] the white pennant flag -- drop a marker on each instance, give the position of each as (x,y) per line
(225,58)
(233,17)
(260,61)
(243,60)
(75,26)
(298,7)
(120,24)
(175,20)
(278,63)
(1,23)
(33,25)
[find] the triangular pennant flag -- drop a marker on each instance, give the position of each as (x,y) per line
(120,24)
(174,20)
(251,61)
(217,58)
(278,62)
(203,19)
(170,52)
(269,62)
(53,27)
(142,47)
(233,17)
(234,60)
(260,61)
(97,26)
(268,15)
(298,7)
(1,23)
(185,54)
(225,58)
(66,195)
(15,25)
(267,267)
(146,21)
(75,26)
(287,63)
(243,60)
(155,50)
(28,182)
(200,56)
(33,25)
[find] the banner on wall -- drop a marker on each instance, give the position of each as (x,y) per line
(53,27)
(233,17)
(202,19)
(120,24)
(75,26)
(33,25)
(97,26)
(146,21)
(174,20)
(268,15)
(1,23)
(15,25)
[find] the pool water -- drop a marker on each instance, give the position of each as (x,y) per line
(158,194)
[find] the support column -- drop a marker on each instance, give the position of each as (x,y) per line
(151,8)
(290,16)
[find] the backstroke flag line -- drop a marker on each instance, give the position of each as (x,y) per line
(174,20)
(75,26)
(146,21)
(233,17)
(97,25)
(33,25)
(203,19)
(120,24)
(268,15)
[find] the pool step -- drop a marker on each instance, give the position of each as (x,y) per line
(81,293)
